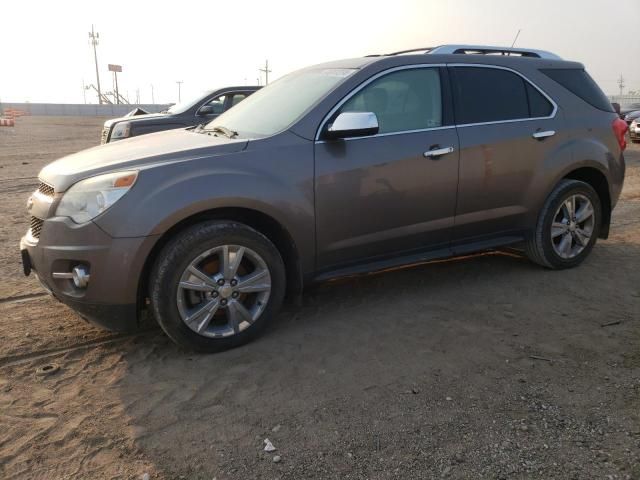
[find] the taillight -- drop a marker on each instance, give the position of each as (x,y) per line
(620,129)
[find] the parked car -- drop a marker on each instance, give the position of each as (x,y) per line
(630,108)
(342,168)
(200,109)
(631,116)
(634,130)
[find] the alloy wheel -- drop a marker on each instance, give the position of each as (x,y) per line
(572,226)
(223,291)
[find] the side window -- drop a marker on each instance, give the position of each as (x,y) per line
(403,100)
(237,98)
(489,95)
(218,104)
(538,105)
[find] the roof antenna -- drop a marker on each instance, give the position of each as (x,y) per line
(517,35)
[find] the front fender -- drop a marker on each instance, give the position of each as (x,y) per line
(281,188)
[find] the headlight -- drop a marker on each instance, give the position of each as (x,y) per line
(121,130)
(90,197)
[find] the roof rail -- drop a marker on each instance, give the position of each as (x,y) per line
(482,50)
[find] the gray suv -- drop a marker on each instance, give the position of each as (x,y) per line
(342,168)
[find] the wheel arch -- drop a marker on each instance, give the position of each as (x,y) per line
(259,221)
(598,180)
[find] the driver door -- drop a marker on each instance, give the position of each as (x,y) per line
(384,194)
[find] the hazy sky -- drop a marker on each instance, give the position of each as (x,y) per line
(45,53)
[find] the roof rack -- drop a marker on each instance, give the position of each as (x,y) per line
(482,50)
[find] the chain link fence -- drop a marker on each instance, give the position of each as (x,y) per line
(91,110)
(624,100)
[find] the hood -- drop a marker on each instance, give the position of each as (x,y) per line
(145,116)
(137,152)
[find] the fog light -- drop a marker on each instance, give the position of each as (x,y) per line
(80,276)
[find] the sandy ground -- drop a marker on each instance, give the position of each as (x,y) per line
(484,367)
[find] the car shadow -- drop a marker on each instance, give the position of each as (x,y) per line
(346,360)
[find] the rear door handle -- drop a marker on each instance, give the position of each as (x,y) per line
(437,152)
(543,135)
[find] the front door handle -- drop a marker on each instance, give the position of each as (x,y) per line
(437,152)
(543,135)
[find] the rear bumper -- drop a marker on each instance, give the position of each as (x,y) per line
(110,298)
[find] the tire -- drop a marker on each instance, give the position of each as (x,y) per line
(543,248)
(176,307)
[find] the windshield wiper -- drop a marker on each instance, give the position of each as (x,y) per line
(227,132)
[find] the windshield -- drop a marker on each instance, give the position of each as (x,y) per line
(188,103)
(277,106)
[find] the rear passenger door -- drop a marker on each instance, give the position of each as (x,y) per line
(507,129)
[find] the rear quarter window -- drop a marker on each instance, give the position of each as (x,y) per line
(580,83)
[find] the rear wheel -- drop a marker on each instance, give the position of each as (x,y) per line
(568,226)
(216,285)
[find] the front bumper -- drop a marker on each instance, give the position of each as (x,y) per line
(115,264)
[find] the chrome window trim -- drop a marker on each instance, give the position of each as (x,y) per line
(455,125)
(526,79)
(363,85)
(403,132)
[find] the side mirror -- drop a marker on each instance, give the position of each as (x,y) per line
(206,110)
(353,124)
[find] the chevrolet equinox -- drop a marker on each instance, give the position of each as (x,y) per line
(342,168)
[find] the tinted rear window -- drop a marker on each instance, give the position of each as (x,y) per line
(580,83)
(493,95)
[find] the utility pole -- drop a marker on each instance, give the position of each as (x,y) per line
(266,72)
(621,84)
(94,38)
(179,82)
(153,99)
(84,92)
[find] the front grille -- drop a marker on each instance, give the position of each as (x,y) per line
(46,189)
(36,227)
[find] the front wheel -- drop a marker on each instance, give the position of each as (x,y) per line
(568,226)
(216,285)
